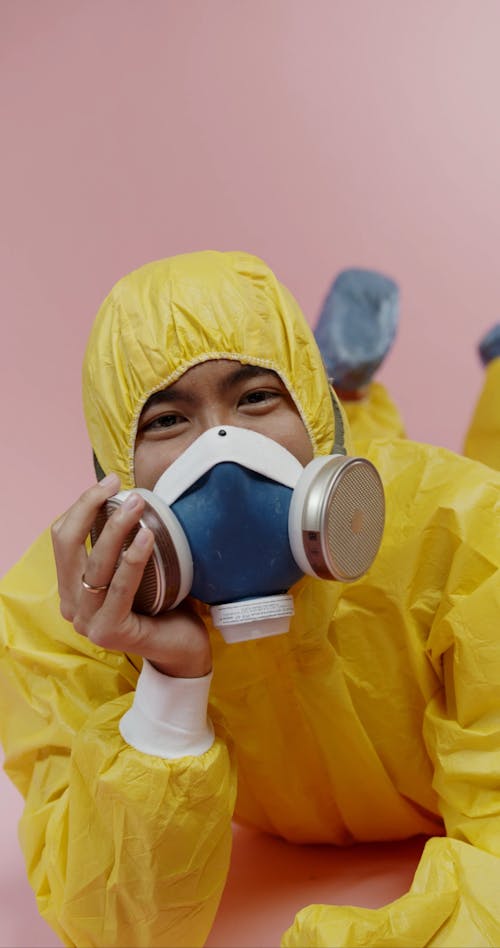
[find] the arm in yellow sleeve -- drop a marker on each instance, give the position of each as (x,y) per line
(455,897)
(121,847)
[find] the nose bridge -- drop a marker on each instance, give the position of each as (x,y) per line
(217,412)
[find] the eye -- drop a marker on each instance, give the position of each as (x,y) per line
(161,423)
(258,397)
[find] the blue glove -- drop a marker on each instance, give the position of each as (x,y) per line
(357,326)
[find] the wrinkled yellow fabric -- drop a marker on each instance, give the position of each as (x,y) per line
(482,440)
(377,717)
(121,848)
(375,415)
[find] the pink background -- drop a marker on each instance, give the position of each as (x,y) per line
(318,134)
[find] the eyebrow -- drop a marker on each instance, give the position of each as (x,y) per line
(244,372)
(180,391)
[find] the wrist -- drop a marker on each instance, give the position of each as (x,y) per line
(193,667)
(168,716)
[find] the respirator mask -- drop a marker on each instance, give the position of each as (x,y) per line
(238,520)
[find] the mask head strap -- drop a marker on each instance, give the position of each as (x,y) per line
(338,444)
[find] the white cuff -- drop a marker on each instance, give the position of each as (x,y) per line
(168,717)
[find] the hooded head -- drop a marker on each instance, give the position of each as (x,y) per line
(170,315)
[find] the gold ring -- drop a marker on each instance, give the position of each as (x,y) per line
(94,589)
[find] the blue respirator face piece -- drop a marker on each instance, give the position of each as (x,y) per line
(236,524)
(238,520)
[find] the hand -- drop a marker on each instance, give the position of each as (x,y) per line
(176,642)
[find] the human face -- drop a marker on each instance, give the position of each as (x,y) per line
(219,392)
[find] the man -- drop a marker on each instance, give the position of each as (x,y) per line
(376,716)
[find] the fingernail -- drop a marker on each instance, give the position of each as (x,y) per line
(131,501)
(111,480)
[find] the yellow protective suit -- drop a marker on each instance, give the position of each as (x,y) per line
(375,718)
(482,440)
(375,415)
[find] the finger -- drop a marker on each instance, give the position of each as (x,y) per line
(102,561)
(115,613)
(126,581)
(107,548)
(177,642)
(69,534)
(74,526)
